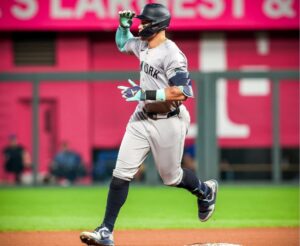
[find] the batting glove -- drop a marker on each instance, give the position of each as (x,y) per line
(125,18)
(133,93)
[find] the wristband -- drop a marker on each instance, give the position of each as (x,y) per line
(160,95)
(156,95)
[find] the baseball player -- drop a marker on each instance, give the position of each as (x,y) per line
(159,122)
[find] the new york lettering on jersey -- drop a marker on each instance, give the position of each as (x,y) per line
(148,69)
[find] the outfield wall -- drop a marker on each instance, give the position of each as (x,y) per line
(78,36)
(93,116)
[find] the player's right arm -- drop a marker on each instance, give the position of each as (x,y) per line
(123,34)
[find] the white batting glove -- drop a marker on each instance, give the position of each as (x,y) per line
(133,93)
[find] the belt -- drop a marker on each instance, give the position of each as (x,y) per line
(156,116)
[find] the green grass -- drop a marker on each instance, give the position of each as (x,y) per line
(77,208)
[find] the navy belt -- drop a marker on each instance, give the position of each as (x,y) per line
(156,116)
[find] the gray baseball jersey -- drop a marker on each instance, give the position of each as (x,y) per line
(164,137)
(157,66)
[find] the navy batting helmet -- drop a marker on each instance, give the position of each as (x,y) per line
(158,16)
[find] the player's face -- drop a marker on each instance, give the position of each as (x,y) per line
(143,25)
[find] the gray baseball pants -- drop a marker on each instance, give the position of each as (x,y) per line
(164,137)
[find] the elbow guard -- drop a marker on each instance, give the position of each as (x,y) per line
(186,90)
(122,36)
(182,80)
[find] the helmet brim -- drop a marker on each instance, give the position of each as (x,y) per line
(142,17)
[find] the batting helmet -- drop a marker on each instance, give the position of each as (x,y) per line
(158,16)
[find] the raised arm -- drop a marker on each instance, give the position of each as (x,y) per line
(123,33)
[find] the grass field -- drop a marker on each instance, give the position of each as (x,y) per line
(76,208)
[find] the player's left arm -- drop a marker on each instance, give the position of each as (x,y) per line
(179,79)
(180,86)
(174,93)
(136,93)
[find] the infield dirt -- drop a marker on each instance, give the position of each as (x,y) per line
(252,236)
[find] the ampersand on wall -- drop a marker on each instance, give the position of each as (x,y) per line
(276,9)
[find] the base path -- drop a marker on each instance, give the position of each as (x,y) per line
(178,237)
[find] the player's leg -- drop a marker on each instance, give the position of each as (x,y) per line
(167,136)
(167,147)
(167,142)
(206,193)
(133,151)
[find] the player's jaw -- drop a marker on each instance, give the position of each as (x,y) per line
(141,27)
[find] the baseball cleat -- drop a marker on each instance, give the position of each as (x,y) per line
(101,236)
(206,206)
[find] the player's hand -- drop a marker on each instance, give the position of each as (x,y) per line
(133,93)
(125,18)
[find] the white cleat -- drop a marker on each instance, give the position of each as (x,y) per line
(206,206)
(101,236)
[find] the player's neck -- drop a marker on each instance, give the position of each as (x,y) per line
(158,39)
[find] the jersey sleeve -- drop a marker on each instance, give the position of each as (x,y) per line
(176,61)
(177,73)
(133,46)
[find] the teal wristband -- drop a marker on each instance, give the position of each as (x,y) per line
(155,95)
(160,95)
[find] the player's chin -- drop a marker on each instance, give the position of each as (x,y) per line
(147,38)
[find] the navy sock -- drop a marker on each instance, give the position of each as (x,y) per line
(191,183)
(118,191)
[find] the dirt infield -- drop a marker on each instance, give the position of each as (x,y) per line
(261,236)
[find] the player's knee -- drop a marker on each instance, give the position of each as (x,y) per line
(172,179)
(123,174)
